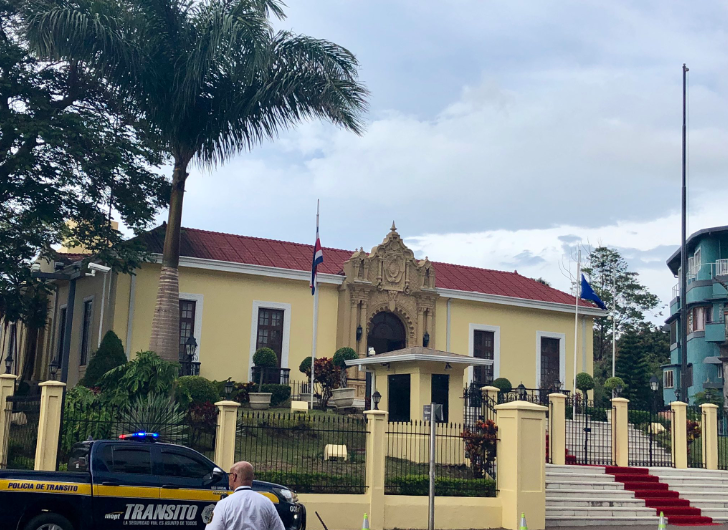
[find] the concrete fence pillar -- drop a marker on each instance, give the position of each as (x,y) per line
(620,432)
(522,463)
(710,435)
(376,458)
(557,429)
(49,425)
(227,423)
(490,392)
(679,434)
(7,389)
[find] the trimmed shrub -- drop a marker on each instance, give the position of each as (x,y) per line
(312,482)
(584,382)
(192,390)
(280,393)
(451,487)
(265,358)
(340,357)
(109,355)
(503,384)
(305,366)
(612,383)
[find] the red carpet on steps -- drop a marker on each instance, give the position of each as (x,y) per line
(658,495)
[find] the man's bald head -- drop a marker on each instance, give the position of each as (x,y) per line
(241,474)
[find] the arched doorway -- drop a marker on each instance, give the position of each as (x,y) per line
(386,333)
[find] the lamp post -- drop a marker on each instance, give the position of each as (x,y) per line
(53,367)
(9,361)
(677,394)
(228,388)
(359,332)
(376,397)
(654,386)
(426,339)
(521,392)
(618,390)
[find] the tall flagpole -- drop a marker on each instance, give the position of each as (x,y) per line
(314,283)
(683,258)
(576,328)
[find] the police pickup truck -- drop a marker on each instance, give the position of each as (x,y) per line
(124,484)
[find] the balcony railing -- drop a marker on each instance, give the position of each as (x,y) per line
(271,376)
(189,367)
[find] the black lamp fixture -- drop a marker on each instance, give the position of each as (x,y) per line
(448,366)
(557,385)
(359,333)
(618,390)
(521,392)
(228,388)
(426,339)
(190,347)
(53,368)
(677,394)
(654,383)
(9,362)
(376,398)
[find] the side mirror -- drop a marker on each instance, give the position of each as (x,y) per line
(216,476)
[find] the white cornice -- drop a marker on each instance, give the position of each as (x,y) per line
(518,302)
(255,270)
(336,279)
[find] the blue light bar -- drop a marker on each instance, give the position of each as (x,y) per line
(141,435)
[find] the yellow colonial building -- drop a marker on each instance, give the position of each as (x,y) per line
(239,293)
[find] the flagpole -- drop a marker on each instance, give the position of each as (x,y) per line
(576,328)
(314,282)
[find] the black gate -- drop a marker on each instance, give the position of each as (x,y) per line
(22,414)
(588,433)
(650,438)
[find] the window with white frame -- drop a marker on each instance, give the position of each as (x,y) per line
(696,262)
(270,327)
(667,379)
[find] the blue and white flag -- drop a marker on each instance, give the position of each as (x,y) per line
(587,293)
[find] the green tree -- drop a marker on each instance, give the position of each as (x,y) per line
(146,374)
(109,355)
(633,369)
(626,298)
(213,79)
(69,150)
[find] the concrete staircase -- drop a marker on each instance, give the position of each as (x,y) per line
(707,490)
(587,496)
(599,442)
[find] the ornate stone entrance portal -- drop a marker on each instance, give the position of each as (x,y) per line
(387,300)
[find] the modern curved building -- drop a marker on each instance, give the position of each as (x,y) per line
(706,297)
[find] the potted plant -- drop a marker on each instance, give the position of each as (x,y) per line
(343,396)
(263,358)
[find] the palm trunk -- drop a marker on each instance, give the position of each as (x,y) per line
(165,324)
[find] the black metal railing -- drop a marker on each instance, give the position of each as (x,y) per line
(465,464)
(549,434)
(310,453)
(694,427)
(271,376)
(650,438)
(22,415)
(189,367)
(540,396)
(195,428)
(588,432)
(722,439)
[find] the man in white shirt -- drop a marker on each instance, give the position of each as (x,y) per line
(244,509)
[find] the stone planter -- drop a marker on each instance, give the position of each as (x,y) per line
(343,397)
(259,400)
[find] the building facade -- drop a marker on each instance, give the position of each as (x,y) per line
(706,297)
(240,293)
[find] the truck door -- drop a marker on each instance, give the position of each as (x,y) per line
(124,486)
(187,478)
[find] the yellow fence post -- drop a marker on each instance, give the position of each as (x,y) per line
(49,425)
(7,389)
(620,431)
(710,435)
(679,434)
(557,429)
(376,458)
(522,463)
(490,392)
(227,423)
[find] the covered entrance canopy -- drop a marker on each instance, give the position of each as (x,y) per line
(410,378)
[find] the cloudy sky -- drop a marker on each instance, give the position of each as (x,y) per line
(501,134)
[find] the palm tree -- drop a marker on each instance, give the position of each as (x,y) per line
(213,79)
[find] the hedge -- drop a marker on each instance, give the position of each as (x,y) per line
(444,486)
(314,482)
(281,393)
(190,390)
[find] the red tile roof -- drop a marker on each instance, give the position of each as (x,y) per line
(297,256)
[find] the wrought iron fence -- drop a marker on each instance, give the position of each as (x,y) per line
(694,427)
(310,453)
(540,396)
(722,439)
(477,406)
(301,391)
(22,413)
(271,376)
(195,428)
(465,463)
(588,432)
(650,438)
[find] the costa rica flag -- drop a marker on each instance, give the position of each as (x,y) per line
(318,258)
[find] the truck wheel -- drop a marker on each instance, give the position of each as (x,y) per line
(48,521)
